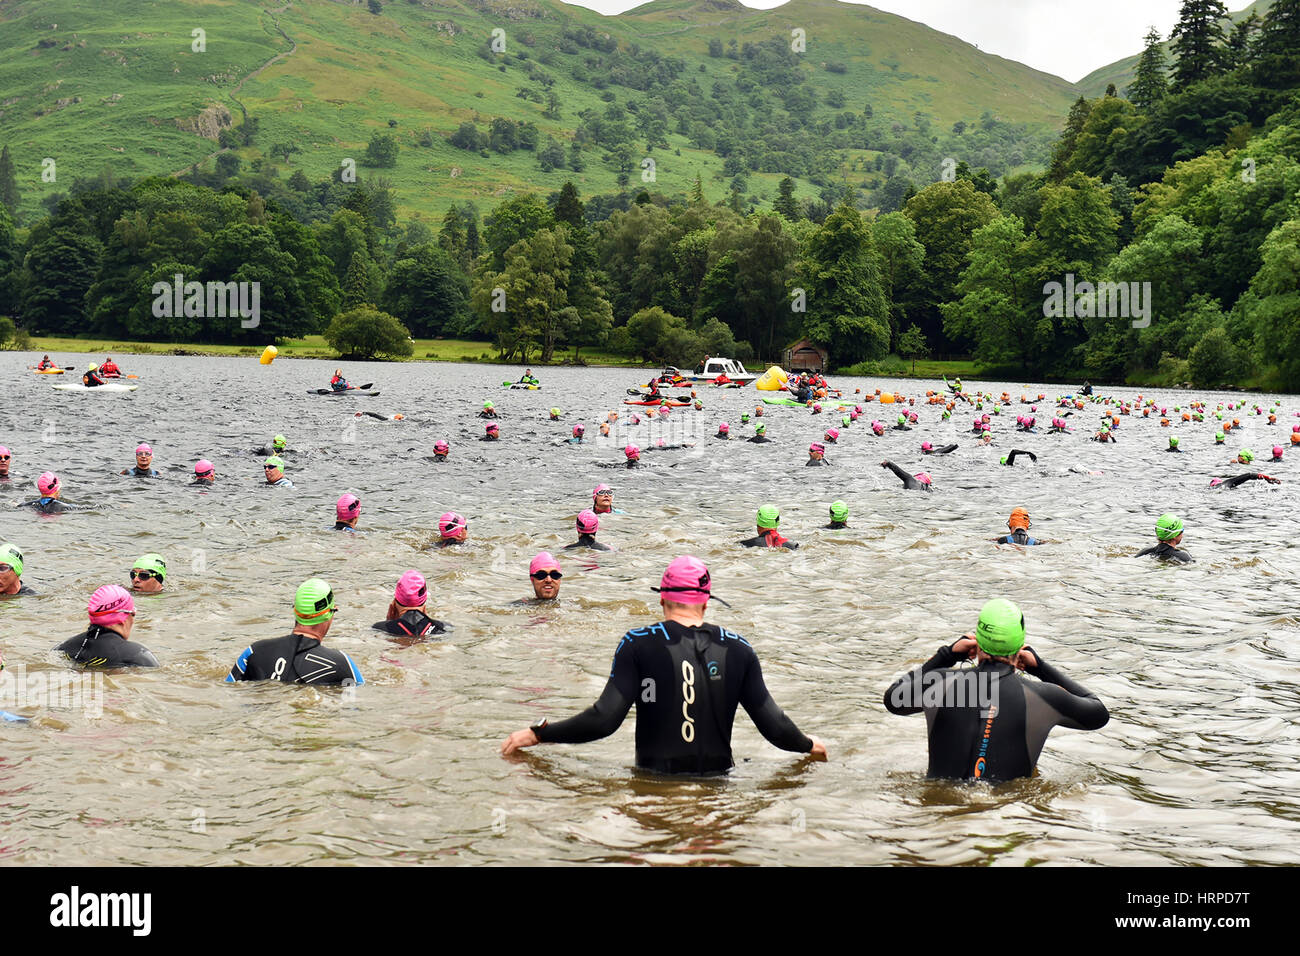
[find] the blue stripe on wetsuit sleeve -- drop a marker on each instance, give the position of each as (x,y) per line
(241,663)
(356,674)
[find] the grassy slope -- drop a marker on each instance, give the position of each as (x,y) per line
(1121,71)
(351,72)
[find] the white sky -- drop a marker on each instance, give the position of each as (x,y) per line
(1069,38)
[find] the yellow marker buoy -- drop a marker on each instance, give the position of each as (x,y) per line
(268,355)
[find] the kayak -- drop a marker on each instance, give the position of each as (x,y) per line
(49,371)
(520,385)
(844,403)
(106,387)
(330,391)
(659,401)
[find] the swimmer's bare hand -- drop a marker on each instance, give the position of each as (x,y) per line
(518,741)
(818,748)
(965,646)
(1025,659)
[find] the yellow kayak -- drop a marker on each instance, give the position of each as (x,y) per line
(49,371)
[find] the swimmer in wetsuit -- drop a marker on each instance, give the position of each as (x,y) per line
(143,463)
(1169,534)
(407,617)
(760,433)
(489,411)
(5,456)
(602,501)
(48,503)
(204,473)
(347,512)
(452,529)
(929,449)
(491,433)
(578,431)
(769,519)
(816,454)
(11,572)
(106,642)
(633,456)
(273,467)
(441,449)
(724,431)
(902,425)
(701,673)
(1104,435)
(832,436)
(1010,457)
(1241,479)
(1173,444)
(544,572)
(921,481)
(1018,525)
(588,524)
(839,515)
(299,657)
(148,574)
(988,723)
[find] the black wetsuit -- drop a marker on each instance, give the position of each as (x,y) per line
(835,526)
(686,683)
(945,450)
(22,589)
(1240,479)
(988,723)
(294,659)
(1167,551)
(588,541)
(816,461)
(490,438)
(1173,448)
(99,647)
(1019,536)
(771,538)
(1011,456)
(910,483)
(50,506)
(725,436)
(487,414)
(901,428)
(437,457)
(759,438)
(633,462)
(412,623)
(135,472)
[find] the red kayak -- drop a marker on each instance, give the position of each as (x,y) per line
(659,401)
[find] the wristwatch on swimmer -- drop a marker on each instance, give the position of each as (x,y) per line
(537,727)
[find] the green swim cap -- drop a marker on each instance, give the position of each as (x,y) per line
(839,511)
(769,516)
(946,415)
(760,428)
(1169,526)
(1247,454)
(279,441)
(487,404)
(1218,437)
(845,421)
(902,419)
(1173,441)
(1004,459)
(555,411)
(275,462)
(13,557)
(744,417)
(314,602)
(151,562)
(1001,628)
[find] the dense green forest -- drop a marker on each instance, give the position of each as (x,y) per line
(1185,185)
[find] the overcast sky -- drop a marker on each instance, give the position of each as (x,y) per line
(1069,38)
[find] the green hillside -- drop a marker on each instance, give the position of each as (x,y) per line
(1121,71)
(115,86)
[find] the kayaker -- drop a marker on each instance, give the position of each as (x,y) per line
(338,383)
(527,378)
(109,368)
(92,376)
(46,362)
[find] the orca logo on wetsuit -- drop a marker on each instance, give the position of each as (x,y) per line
(688,698)
(280,663)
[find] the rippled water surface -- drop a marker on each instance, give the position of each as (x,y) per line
(1197,664)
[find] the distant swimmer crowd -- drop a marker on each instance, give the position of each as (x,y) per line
(983,720)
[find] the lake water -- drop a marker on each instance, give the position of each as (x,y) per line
(1198,664)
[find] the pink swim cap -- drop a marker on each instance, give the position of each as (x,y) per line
(347,507)
(440,447)
(817,446)
(724,427)
(450,524)
(686,581)
(491,427)
(588,523)
(411,590)
(578,429)
(47,483)
(203,468)
(4,450)
(143,449)
(1215,482)
(853,416)
(857,409)
(599,489)
(832,434)
(632,452)
(1033,408)
(636,419)
(544,561)
(110,605)
(923,477)
(926,446)
(1277,451)
(817,406)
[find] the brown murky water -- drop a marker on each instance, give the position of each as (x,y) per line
(1197,664)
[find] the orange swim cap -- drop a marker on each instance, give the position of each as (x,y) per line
(1019,519)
